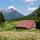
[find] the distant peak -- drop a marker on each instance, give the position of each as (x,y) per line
(11,7)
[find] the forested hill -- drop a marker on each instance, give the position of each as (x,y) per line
(33,15)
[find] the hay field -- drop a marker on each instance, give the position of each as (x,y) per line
(24,35)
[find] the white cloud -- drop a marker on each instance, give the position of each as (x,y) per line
(27,11)
(30,10)
(29,1)
(11,6)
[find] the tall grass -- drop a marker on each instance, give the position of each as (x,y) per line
(12,35)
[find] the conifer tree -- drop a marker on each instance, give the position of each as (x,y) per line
(1,17)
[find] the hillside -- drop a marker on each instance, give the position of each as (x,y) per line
(33,15)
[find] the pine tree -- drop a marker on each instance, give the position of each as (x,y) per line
(1,17)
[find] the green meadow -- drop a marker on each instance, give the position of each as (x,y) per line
(8,31)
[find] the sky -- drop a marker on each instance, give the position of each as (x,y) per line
(25,7)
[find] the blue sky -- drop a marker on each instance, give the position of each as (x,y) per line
(25,7)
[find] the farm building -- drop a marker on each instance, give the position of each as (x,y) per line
(28,24)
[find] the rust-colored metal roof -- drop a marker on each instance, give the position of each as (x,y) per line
(26,23)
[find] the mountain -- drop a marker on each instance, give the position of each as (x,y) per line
(33,15)
(11,14)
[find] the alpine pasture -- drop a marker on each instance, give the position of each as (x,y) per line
(9,32)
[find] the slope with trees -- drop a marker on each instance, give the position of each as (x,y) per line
(34,16)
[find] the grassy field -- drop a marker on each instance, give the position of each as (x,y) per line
(8,25)
(19,35)
(9,32)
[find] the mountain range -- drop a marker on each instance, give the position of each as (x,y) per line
(13,14)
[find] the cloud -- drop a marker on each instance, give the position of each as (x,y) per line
(29,1)
(11,6)
(30,10)
(27,11)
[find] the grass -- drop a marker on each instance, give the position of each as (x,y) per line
(9,32)
(23,35)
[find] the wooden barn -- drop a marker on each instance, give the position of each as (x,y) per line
(28,24)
